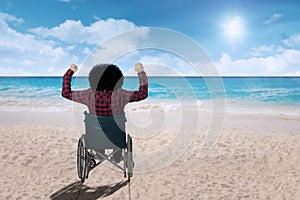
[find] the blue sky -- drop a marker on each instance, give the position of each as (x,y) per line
(250,37)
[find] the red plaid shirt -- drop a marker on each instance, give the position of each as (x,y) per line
(105,102)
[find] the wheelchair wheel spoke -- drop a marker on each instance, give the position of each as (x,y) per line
(82,161)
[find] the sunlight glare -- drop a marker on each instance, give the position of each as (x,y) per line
(234,29)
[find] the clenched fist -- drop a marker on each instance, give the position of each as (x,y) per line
(73,67)
(139,67)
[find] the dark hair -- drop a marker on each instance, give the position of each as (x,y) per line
(105,77)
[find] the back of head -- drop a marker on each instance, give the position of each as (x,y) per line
(105,77)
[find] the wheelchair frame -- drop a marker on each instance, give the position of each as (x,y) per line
(88,158)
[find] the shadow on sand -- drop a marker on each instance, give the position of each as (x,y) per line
(79,191)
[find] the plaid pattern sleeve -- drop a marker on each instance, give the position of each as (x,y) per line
(105,102)
(131,96)
(143,90)
(77,96)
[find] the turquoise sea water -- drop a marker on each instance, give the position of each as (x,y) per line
(44,93)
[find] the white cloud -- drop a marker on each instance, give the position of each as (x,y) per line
(291,57)
(285,63)
(164,64)
(75,32)
(266,60)
(50,69)
(70,31)
(293,41)
(4,71)
(27,52)
(47,51)
(64,1)
(113,49)
(264,50)
(6,18)
(156,70)
(86,51)
(275,17)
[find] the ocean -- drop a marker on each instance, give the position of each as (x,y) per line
(242,94)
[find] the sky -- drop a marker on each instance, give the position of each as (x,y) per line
(241,38)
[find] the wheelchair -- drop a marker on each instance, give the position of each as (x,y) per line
(104,134)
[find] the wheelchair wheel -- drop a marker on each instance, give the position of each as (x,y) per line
(82,161)
(129,160)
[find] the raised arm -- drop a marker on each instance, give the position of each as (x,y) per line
(66,87)
(142,93)
(78,96)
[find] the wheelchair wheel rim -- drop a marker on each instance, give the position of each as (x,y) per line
(81,161)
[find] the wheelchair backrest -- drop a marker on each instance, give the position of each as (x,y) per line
(105,132)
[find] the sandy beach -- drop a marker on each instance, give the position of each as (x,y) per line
(256,157)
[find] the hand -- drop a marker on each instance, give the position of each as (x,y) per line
(73,67)
(139,67)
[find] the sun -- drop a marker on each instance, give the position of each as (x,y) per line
(234,29)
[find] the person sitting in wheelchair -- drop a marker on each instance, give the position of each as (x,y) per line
(105,97)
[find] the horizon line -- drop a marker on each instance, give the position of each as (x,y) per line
(188,76)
